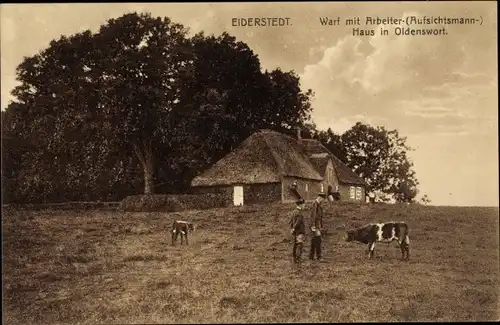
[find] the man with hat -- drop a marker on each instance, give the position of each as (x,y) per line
(298,230)
(316,224)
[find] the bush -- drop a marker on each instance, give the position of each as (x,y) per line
(172,203)
(62,206)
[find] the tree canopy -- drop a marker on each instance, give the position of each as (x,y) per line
(379,156)
(139,102)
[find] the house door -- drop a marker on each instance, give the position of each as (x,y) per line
(238,195)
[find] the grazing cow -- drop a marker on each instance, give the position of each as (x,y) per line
(182,228)
(382,232)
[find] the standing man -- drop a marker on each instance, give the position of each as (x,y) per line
(316,224)
(298,230)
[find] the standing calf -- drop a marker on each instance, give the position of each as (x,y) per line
(182,228)
(382,232)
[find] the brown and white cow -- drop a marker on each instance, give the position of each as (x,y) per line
(382,232)
(183,228)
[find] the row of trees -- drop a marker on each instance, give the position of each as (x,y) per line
(138,102)
(139,106)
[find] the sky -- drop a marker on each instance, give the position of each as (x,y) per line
(439,91)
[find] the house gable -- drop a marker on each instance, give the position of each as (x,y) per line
(320,156)
(330,174)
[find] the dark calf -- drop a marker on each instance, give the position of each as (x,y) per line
(183,228)
(382,232)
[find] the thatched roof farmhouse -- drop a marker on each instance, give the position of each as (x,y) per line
(267,163)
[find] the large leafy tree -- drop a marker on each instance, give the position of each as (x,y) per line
(53,112)
(141,61)
(222,91)
(380,157)
(94,105)
(285,105)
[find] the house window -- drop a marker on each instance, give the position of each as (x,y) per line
(352,192)
(322,188)
(307,187)
(359,193)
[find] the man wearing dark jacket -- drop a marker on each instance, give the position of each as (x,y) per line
(316,224)
(298,230)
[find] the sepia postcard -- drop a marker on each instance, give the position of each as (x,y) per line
(238,162)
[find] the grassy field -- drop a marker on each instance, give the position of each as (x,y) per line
(92,267)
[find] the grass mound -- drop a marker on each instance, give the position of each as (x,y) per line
(171,203)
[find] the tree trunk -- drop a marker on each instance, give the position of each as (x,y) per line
(148,180)
(146,158)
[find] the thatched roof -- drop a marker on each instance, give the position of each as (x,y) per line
(319,156)
(264,157)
